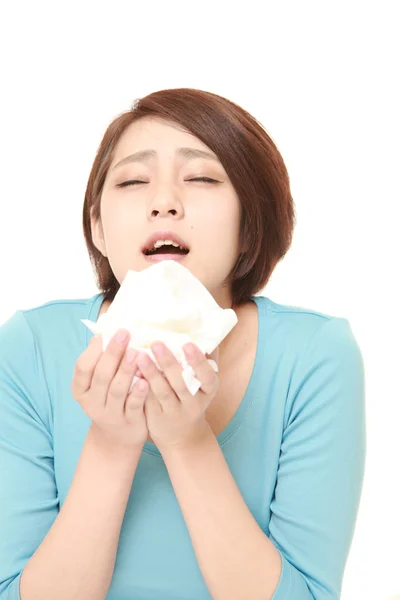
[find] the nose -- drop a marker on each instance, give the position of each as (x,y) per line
(165,203)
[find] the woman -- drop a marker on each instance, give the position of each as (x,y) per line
(248,490)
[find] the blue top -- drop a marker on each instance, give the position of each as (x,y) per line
(296,447)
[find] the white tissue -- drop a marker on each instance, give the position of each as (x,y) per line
(166,302)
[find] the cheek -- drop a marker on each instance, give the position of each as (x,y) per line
(121,225)
(216,213)
(221,223)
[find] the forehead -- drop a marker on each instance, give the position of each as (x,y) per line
(158,134)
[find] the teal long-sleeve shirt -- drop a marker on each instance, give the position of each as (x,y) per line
(296,448)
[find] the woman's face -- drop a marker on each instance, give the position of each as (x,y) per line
(205,215)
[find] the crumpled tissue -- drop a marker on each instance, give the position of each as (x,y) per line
(166,302)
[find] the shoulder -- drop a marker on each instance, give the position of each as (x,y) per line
(302,327)
(53,320)
(312,351)
(38,345)
(41,342)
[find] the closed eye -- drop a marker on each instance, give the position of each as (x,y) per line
(130,182)
(205,179)
(136,181)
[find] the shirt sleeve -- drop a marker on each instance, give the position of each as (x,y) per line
(28,495)
(321,466)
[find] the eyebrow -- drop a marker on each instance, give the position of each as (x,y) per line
(144,155)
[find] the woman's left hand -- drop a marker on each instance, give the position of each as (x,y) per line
(175,418)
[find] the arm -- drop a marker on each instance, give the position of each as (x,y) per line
(317,494)
(236,558)
(76,558)
(46,553)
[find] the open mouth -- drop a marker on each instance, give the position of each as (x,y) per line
(169,249)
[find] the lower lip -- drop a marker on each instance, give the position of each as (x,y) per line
(160,257)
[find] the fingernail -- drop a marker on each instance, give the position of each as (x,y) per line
(191,350)
(142,385)
(121,336)
(158,349)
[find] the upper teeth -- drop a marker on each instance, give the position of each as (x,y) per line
(160,243)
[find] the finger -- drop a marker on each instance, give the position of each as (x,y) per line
(158,384)
(152,406)
(120,384)
(172,370)
(85,365)
(214,355)
(202,369)
(136,398)
(107,367)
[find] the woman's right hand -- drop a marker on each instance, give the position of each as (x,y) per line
(101,384)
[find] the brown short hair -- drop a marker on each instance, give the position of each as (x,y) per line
(252,162)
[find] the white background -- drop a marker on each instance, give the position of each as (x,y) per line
(322,77)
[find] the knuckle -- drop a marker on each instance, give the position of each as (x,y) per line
(116,389)
(212,386)
(82,400)
(181,389)
(169,362)
(75,393)
(81,368)
(211,383)
(164,396)
(134,402)
(127,368)
(101,377)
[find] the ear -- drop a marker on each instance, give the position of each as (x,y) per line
(97,234)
